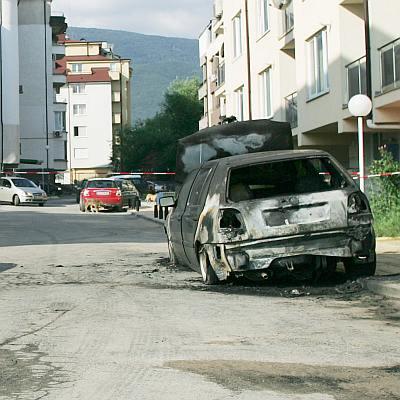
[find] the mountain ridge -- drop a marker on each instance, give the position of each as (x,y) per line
(156,62)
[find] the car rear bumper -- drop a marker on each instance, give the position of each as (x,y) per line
(280,252)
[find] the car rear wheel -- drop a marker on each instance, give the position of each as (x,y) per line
(81,206)
(16,200)
(207,271)
(41,204)
(356,270)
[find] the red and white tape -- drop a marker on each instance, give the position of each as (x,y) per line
(356,175)
(63,172)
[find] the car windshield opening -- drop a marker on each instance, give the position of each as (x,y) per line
(101,185)
(22,182)
(288,177)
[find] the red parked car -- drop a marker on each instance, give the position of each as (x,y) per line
(109,193)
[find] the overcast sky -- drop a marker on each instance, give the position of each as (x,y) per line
(181,18)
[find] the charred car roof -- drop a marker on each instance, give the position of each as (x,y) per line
(254,158)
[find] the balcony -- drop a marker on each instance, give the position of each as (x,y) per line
(116,118)
(291,110)
(390,66)
(203,123)
(356,73)
(58,51)
(116,97)
(59,79)
(203,91)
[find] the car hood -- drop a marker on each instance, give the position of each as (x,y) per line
(31,190)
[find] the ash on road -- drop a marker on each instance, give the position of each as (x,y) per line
(90,308)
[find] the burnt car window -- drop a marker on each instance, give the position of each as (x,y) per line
(197,189)
(287,177)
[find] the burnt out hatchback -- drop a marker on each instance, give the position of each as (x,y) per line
(266,214)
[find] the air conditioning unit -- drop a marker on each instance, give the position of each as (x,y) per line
(281,4)
(57,134)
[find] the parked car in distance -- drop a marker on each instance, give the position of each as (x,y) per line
(134,193)
(136,179)
(271,214)
(109,193)
(16,190)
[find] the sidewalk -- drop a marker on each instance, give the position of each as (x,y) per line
(147,212)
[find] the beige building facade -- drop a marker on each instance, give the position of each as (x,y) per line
(302,64)
(98,98)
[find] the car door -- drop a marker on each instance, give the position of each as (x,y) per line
(5,190)
(191,215)
(175,219)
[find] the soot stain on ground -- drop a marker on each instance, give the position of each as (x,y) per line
(341,382)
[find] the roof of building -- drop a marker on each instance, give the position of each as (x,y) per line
(97,75)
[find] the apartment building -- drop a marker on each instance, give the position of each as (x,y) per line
(98,98)
(302,64)
(9,81)
(42,147)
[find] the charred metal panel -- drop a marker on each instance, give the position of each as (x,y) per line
(229,140)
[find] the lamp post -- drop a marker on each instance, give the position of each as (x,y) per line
(360,106)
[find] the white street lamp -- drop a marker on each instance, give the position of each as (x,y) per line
(360,106)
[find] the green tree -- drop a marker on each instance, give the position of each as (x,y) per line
(151,144)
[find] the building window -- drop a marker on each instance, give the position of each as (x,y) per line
(59,121)
(263,16)
(239,100)
(204,72)
(390,65)
(77,67)
(288,18)
(266,93)
(291,110)
(78,88)
(79,109)
(81,154)
(205,106)
(356,78)
(318,65)
(237,35)
(80,131)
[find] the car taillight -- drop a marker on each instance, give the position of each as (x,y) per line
(119,193)
(356,204)
(86,192)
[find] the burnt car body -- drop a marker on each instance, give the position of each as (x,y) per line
(260,214)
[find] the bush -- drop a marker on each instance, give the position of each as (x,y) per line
(385,195)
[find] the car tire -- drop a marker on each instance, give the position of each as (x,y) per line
(207,271)
(81,206)
(356,270)
(41,204)
(16,201)
(137,204)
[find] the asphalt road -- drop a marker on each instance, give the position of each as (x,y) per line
(91,309)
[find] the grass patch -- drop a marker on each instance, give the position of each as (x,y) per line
(388,224)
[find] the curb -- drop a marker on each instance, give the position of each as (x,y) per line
(148,218)
(385,286)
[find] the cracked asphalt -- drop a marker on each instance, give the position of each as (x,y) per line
(90,308)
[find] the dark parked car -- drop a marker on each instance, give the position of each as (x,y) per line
(79,187)
(265,214)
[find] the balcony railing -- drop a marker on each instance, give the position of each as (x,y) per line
(356,73)
(291,109)
(390,66)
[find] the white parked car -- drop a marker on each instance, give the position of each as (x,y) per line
(18,190)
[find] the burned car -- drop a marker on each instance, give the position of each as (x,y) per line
(257,215)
